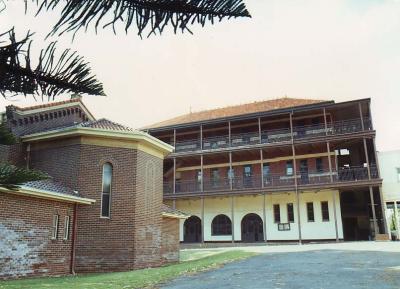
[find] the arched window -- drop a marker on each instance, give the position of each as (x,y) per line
(106,190)
(221,225)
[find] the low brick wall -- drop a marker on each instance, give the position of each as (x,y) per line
(170,240)
(26,247)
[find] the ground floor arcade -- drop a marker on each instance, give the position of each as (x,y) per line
(322,215)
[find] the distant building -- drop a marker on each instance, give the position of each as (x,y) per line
(102,209)
(389,165)
(272,171)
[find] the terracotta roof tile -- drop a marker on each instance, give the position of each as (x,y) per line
(47,105)
(170,211)
(52,186)
(105,124)
(258,106)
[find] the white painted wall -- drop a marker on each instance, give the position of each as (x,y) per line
(244,205)
(388,164)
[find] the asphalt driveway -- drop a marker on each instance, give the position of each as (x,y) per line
(319,269)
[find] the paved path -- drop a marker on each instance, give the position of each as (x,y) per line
(311,269)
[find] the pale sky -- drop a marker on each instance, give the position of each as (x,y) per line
(320,49)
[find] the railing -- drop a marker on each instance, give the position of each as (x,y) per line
(274,136)
(272,180)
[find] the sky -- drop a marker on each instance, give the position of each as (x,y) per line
(319,49)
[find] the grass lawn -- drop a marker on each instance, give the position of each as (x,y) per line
(128,280)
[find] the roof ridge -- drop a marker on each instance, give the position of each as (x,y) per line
(49,104)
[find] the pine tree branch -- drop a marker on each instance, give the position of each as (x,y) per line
(152,14)
(11,177)
(51,77)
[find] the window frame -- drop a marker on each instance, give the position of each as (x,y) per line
(290,220)
(219,228)
(55,227)
(103,193)
(67,228)
(289,165)
(327,211)
(312,211)
(319,165)
(277,213)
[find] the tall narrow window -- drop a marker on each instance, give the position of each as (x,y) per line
(106,193)
(215,177)
(318,165)
(198,179)
(266,174)
(277,213)
(66,227)
(290,213)
(289,168)
(54,228)
(325,211)
(310,212)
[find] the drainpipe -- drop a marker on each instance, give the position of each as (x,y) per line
(73,240)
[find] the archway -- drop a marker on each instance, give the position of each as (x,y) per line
(192,230)
(252,228)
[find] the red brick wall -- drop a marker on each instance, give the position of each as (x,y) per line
(170,240)
(13,154)
(26,248)
(148,219)
(106,244)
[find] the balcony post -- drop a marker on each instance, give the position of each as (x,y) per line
(175,139)
(295,177)
(264,219)
(361,116)
(371,196)
(229,133)
(202,174)
(174,178)
(262,168)
(202,220)
(233,218)
(325,122)
(333,192)
(230,172)
(174,204)
(201,137)
(259,129)
(366,158)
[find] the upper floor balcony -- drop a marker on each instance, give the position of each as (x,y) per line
(273,136)
(271,181)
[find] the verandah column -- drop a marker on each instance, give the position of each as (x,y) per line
(265,219)
(331,177)
(295,177)
(202,219)
(233,218)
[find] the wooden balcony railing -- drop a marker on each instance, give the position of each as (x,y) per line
(274,136)
(271,180)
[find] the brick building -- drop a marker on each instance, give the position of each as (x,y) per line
(102,209)
(272,171)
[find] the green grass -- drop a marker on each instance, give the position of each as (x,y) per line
(128,280)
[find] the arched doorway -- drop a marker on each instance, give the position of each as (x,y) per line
(252,228)
(192,230)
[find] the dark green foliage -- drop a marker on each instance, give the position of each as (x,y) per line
(6,137)
(11,176)
(51,77)
(154,15)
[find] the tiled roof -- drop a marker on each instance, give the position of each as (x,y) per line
(48,105)
(52,186)
(170,211)
(105,124)
(258,106)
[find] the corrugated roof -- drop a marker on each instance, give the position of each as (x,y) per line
(258,106)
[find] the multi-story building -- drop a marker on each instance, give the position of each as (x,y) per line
(277,170)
